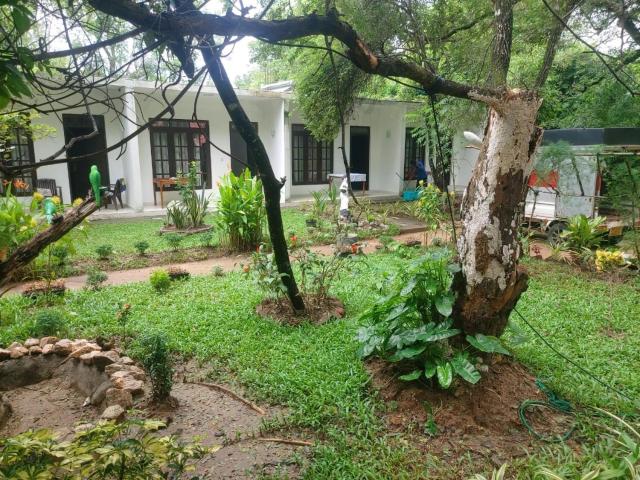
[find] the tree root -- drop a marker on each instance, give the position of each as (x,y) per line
(231,393)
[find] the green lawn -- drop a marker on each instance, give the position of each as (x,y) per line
(315,372)
(124,234)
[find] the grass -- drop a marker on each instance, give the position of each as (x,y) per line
(124,234)
(314,370)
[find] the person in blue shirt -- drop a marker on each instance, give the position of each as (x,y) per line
(421,172)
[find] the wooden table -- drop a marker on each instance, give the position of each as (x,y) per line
(162,182)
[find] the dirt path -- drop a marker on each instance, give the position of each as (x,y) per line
(203,267)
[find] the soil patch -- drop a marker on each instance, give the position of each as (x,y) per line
(318,310)
(476,421)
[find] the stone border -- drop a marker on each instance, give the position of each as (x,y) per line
(126,380)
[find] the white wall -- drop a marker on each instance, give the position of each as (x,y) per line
(267,112)
(386,122)
(45,147)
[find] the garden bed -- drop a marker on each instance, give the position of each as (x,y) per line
(186,231)
(480,421)
(318,310)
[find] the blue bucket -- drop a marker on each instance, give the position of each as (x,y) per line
(410,195)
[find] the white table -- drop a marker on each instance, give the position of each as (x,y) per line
(354,177)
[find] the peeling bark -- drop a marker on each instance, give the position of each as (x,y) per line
(490,282)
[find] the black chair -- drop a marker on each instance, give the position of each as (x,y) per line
(115,192)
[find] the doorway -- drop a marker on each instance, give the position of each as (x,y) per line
(75,126)
(241,157)
(359,155)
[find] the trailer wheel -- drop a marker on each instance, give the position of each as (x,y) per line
(554,232)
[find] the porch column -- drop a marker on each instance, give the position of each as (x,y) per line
(132,160)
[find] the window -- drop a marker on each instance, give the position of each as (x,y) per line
(19,151)
(413,152)
(177,143)
(312,159)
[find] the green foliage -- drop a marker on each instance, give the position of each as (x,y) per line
(430,206)
(95,278)
(48,323)
(583,233)
(207,239)
(320,204)
(318,273)
(141,247)
(153,352)
(241,215)
(411,323)
(190,210)
(17,224)
(129,450)
(264,272)
(160,280)
(104,251)
(173,240)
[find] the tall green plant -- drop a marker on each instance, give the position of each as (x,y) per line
(583,233)
(412,323)
(241,214)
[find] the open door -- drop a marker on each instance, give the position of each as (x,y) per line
(77,125)
(240,156)
(359,155)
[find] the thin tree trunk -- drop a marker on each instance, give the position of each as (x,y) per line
(271,185)
(25,253)
(490,282)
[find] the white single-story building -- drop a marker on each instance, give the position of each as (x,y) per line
(378,139)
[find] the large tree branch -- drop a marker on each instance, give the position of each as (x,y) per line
(28,251)
(87,48)
(229,25)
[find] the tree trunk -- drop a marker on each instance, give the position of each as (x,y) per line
(28,251)
(491,282)
(270,183)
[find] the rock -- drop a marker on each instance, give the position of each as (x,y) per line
(35,350)
(5,354)
(5,410)
(18,352)
(15,345)
(98,395)
(100,359)
(63,347)
(32,342)
(128,384)
(86,348)
(114,412)
(124,370)
(48,341)
(116,396)
(48,348)
(80,342)
(126,361)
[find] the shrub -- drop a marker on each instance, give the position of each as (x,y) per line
(60,253)
(48,323)
(141,247)
(320,204)
(195,206)
(608,260)
(177,215)
(153,352)
(160,280)
(411,324)
(174,240)
(217,271)
(264,272)
(104,251)
(240,214)
(583,232)
(130,449)
(95,278)
(319,272)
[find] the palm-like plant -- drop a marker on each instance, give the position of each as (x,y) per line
(583,233)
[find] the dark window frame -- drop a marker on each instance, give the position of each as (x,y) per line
(171,127)
(312,151)
(413,151)
(17,135)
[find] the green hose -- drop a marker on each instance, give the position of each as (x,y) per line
(554,402)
